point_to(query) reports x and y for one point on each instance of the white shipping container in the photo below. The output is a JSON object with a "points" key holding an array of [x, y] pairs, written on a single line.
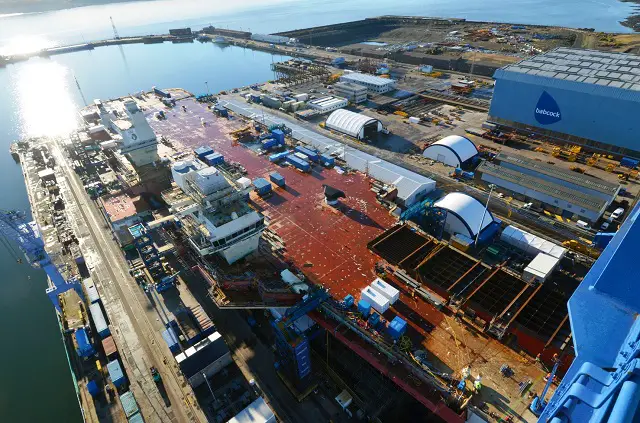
{"points": [[377, 300], [386, 290], [301, 97], [244, 182], [414, 119], [92, 291], [98, 318]]}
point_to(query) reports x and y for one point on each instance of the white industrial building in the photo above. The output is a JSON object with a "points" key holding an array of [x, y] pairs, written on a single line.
{"points": [[453, 150], [555, 189], [137, 140], [374, 84], [353, 124], [464, 214], [327, 104], [353, 92]]}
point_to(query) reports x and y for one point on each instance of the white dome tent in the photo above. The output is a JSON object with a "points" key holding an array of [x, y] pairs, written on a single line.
{"points": [[353, 124], [453, 150], [464, 214]]}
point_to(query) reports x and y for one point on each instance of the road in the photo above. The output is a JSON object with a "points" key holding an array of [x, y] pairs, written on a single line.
{"points": [[131, 312]]}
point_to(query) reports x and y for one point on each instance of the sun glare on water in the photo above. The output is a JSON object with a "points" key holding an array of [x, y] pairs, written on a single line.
{"points": [[46, 106], [24, 45]]}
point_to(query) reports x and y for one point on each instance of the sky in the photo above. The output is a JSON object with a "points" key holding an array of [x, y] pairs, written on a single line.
{"points": [[29, 6]]}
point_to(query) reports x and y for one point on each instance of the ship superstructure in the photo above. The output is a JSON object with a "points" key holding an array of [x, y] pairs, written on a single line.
{"points": [[214, 211]]}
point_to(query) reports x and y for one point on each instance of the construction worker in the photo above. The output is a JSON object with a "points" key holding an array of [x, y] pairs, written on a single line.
{"points": [[477, 384]]}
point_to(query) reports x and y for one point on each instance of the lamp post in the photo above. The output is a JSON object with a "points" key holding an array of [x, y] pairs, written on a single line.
{"points": [[484, 213], [206, 84]]}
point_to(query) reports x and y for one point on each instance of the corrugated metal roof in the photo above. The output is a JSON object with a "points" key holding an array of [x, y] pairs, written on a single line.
{"points": [[369, 79], [605, 72], [577, 198], [582, 180]]}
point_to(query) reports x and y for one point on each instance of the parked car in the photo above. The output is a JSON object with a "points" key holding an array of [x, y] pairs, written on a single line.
{"points": [[617, 213], [605, 225], [582, 224]]}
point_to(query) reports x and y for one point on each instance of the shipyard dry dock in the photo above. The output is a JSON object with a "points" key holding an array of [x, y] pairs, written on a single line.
{"points": [[345, 248]]}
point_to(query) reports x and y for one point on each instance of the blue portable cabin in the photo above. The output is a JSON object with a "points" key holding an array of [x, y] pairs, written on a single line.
{"points": [[161, 93], [262, 186], [214, 159], [303, 165], [83, 344], [397, 328], [221, 111], [327, 161], [277, 179], [269, 143], [278, 135], [203, 151], [348, 301], [99, 320], [364, 308], [313, 156], [116, 374]]}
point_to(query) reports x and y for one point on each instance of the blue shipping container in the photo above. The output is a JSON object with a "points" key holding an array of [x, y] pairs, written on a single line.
{"points": [[303, 165], [374, 319], [327, 161], [278, 156], [629, 162], [214, 159], [83, 345], [278, 135], [115, 373], [93, 388], [277, 179], [364, 308], [263, 187], [203, 151], [313, 156]]}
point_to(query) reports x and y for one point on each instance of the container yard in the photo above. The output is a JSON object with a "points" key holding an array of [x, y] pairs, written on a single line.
{"points": [[356, 240]]}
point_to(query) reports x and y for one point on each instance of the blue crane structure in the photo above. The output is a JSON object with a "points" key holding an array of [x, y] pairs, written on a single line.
{"points": [[293, 345], [603, 382], [14, 227]]}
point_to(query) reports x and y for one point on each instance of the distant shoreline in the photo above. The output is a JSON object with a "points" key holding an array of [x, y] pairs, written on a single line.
{"points": [[17, 8]]}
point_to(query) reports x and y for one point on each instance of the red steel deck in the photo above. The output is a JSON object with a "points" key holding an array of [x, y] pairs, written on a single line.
{"points": [[330, 246]]}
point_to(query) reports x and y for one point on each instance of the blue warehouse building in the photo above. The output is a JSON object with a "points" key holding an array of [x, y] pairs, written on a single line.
{"points": [[585, 97]]}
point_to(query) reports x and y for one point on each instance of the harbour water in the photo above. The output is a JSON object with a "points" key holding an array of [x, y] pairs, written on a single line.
{"points": [[151, 17], [40, 98]]}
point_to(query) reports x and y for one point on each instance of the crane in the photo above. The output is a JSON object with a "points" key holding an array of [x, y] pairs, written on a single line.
{"points": [[14, 227], [539, 403]]}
